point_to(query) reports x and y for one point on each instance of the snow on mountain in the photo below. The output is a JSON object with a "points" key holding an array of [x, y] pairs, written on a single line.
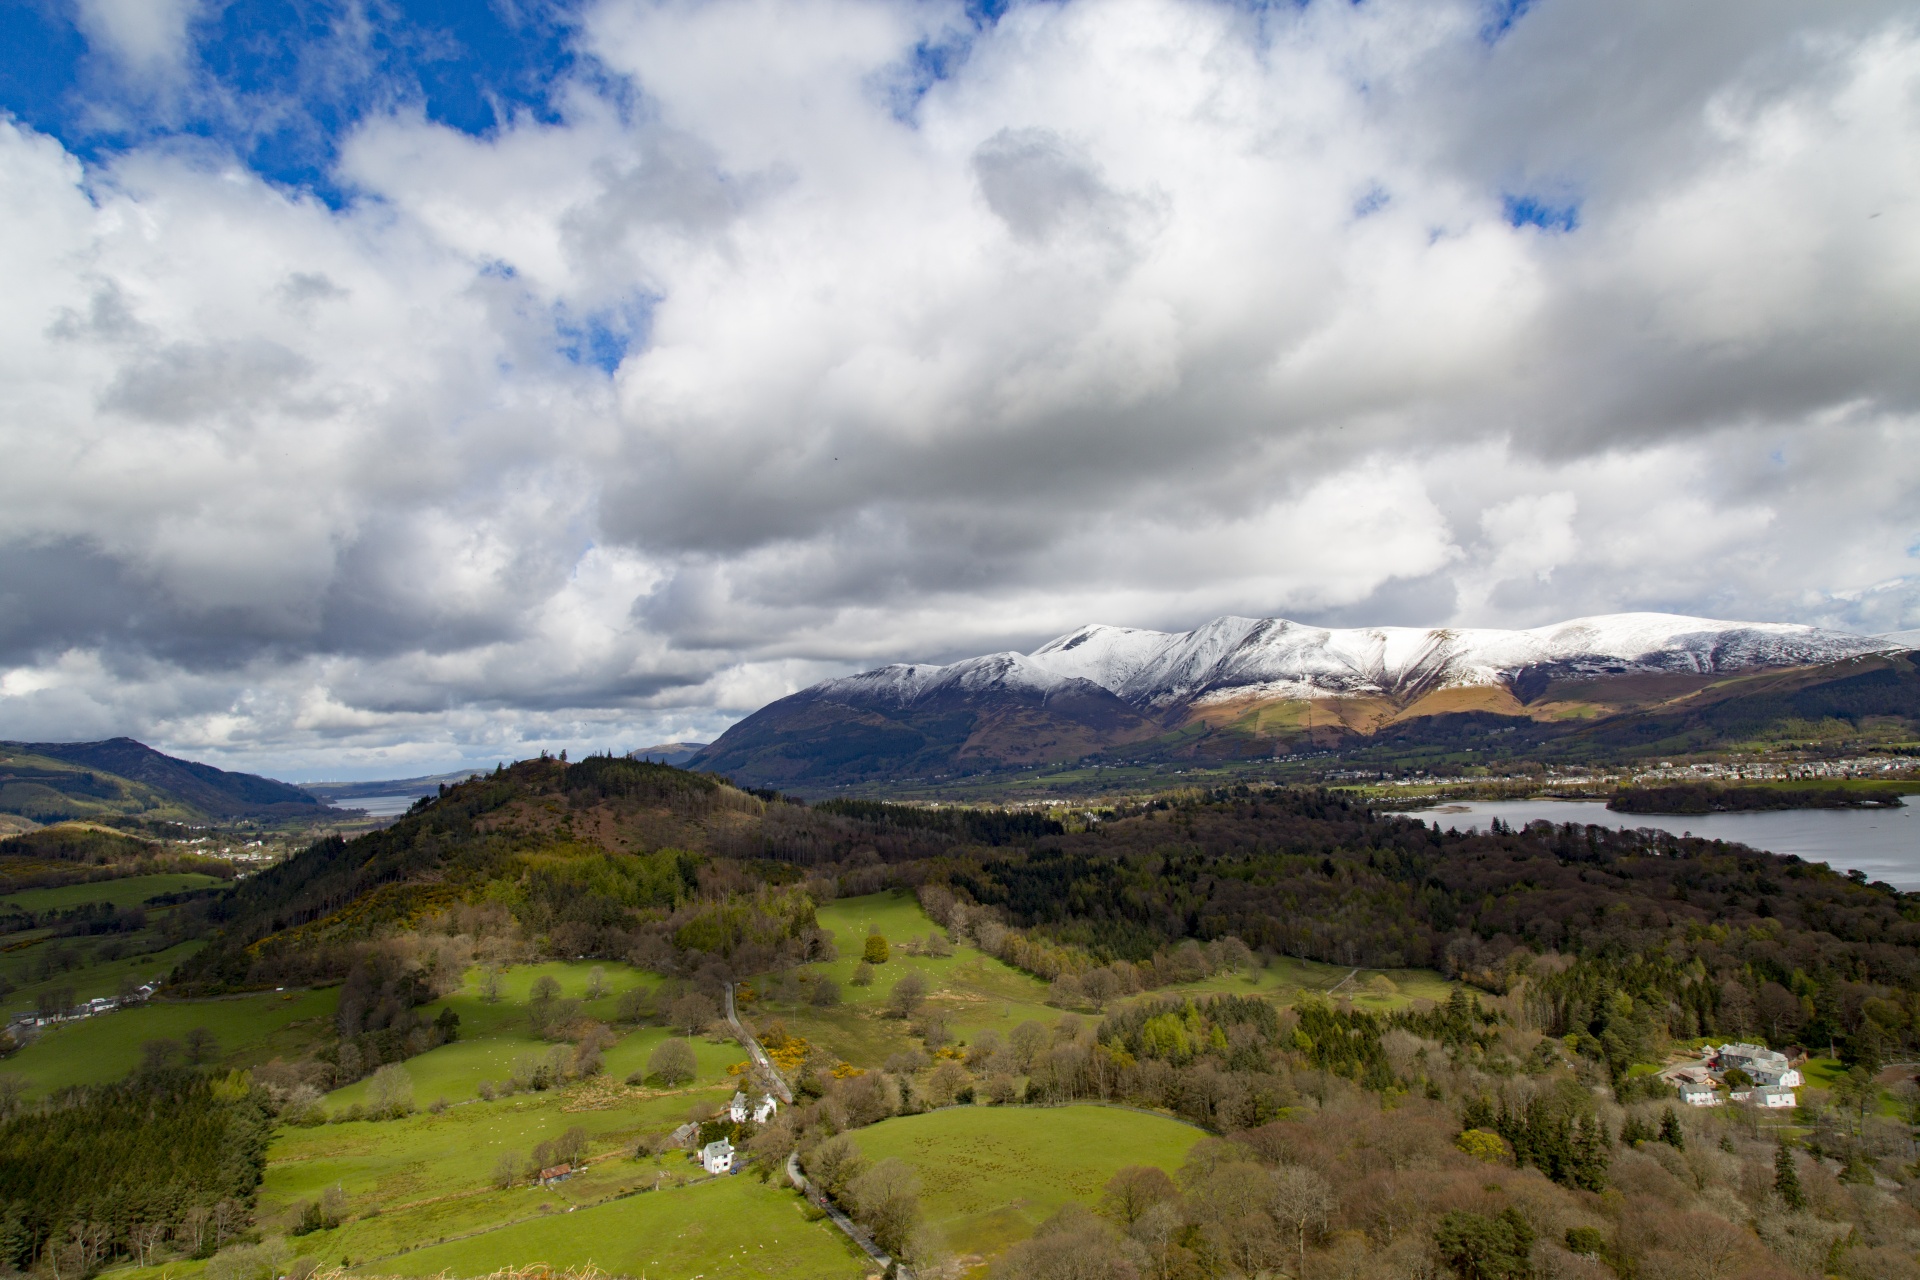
{"points": [[1235, 657], [904, 684]]}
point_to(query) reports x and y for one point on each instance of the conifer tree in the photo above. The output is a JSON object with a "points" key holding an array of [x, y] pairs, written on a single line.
{"points": [[1786, 1178], [1590, 1159], [1670, 1131]]}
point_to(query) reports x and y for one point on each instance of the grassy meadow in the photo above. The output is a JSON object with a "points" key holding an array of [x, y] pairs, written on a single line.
{"points": [[990, 1175], [247, 1029], [130, 891]]}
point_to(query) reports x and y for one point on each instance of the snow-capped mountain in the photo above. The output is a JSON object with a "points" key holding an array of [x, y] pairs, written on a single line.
{"points": [[1273, 657], [1240, 688]]}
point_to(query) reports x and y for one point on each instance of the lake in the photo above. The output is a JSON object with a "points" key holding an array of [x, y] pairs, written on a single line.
{"points": [[379, 806], [1884, 843]]}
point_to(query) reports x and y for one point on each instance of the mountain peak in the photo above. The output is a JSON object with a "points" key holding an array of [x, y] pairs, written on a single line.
{"points": [[1268, 684]]}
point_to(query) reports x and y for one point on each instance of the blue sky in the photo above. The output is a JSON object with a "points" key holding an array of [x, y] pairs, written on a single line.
{"points": [[280, 81], [389, 386]]}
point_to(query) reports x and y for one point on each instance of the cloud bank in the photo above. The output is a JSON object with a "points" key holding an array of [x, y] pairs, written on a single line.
{"points": [[799, 337]]}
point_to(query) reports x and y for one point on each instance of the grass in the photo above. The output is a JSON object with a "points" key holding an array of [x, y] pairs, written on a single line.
{"points": [[248, 1029], [990, 1175], [977, 992], [129, 892], [494, 1033], [413, 1184], [732, 1227], [90, 980], [454, 1071]]}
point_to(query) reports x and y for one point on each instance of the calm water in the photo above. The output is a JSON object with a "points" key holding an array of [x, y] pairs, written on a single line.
{"points": [[1884, 843], [379, 806]]}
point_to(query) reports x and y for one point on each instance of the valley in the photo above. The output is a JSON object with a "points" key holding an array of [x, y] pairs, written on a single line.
{"points": [[489, 1036]]}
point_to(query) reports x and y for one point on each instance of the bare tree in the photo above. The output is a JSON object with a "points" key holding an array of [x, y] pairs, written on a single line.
{"points": [[692, 1013], [1300, 1200], [1134, 1190], [200, 1046], [391, 1092], [886, 1201], [673, 1062]]}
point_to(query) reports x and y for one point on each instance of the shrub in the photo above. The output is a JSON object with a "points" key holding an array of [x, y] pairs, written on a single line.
{"points": [[1483, 1145], [876, 951]]}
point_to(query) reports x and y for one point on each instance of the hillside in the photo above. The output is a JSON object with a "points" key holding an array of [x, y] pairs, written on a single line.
{"points": [[1007, 1036], [51, 781], [1249, 689]]}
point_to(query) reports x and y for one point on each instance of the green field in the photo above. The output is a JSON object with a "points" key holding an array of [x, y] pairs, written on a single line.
{"points": [[727, 1227], [976, 992], [248, 1029], [101, 978], [128, 892], [990, 1175]]}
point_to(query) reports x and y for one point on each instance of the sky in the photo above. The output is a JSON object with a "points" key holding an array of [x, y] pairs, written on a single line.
{"points": [[394, 385]]}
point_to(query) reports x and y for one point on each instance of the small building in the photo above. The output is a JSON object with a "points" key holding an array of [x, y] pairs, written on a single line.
{"points": [[1776, 1075], [737, 1109], [717, 1157], [1766, 1095], [1697, 1093], [684, 1135], [558, 1173], [765, 1109], [1687, 1073]]}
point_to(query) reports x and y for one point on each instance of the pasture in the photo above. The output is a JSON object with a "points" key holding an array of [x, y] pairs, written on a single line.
{"points": [[990, 1175]]}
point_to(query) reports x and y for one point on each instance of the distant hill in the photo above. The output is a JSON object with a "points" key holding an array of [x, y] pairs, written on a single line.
{"points": [[1247, 688], [52, 781], [342, 793], [673, 753]]}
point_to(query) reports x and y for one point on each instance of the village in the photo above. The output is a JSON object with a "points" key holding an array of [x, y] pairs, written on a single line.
{"points": [[1742, 1073]]}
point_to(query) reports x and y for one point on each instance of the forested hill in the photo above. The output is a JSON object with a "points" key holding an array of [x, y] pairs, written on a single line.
{"points": [[684, 873], [50, 781]]}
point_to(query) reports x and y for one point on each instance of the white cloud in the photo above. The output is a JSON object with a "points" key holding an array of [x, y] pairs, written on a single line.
{"points": [[148, 37], [1150, 310]]}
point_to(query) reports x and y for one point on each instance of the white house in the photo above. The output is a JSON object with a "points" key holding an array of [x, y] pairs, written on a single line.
{"points": [[1774, 1074], [764, 1109], [1696, 1093], [717, 1157], [737, 1109], [1766, 1095]]}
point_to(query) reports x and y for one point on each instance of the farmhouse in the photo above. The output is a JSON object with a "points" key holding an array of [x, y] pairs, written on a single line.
{"points": [[737, 1109], [1697, 1093], [764, 1109], [1766, 1066], [1766, 1095], [717, 1157]]}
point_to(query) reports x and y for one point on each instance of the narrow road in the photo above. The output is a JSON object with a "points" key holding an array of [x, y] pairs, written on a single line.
{"points": [[775, 1081], [848, 1226]]}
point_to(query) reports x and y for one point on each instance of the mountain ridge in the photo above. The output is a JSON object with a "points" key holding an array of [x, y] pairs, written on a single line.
{"points": [[51, 781], [1267, 682]]}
